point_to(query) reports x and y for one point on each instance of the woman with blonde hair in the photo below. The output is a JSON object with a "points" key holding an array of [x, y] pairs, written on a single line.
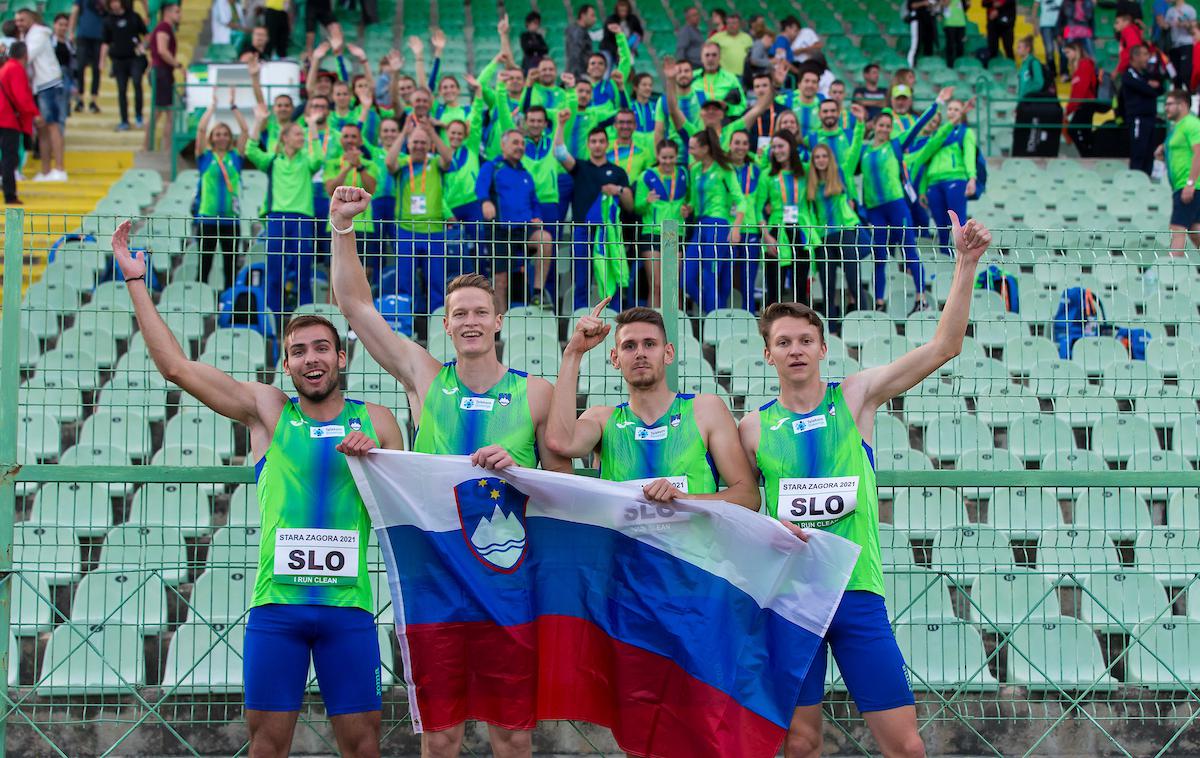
{"points": [[841, 238]]}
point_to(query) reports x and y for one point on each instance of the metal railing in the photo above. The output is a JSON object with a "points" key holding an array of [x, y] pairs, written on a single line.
{"points": [[1041, 513]]}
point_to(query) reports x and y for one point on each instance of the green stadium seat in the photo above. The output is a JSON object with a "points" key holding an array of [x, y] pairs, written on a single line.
{"points": [[1057, 654], [964, 551], [1054, 378], [890, 433], [249, 347], [1084, 408], [103, 455], [1121, 437], [221, 595], [129, 393], [946, 437], [860, 326], [243, 507], [1003, 405], [82, 506], [39, 434], [537, 326], [1183, 509], [1166, 354], [1032, 438], [1115, 602], [880, 351], [235, 547], [837, 369], [540, 360], [917, 595], [895, 547], [1168, 408], [734, 349], [90, 338], [1038, 307], [1003, 600], [200, 427], [93, 660], [52, 297], [960, 366], [205, 658], [160, 549], [1170, 553], [1022, 355], [987, 459], [1119, 513], [1158, 460], [1023, 512], [945, 656], [46, 553], [130, 599], [123, 428], [724, 323], [996, 330], [902, 460], [69, 367], [1098, 355], [178, 505], [118, 323], [31, 605], [922, 410], [1164, 655], [924, 512], [1132, 380], [1074, 551], [185, 323]]}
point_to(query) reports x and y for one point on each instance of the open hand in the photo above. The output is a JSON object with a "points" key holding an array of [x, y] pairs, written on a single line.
{"points": [[132, 265]]}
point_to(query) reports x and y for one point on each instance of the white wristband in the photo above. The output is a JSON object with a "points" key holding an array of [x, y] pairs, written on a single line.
{"points": [[347, 230]]}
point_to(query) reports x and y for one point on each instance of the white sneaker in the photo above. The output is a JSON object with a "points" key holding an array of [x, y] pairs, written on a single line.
{"points": [[21, 177], [58, 175], [44, 177]]}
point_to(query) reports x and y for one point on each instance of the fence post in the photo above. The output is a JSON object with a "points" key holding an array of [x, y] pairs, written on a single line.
{"points": [[10, 375], [670, 291]]}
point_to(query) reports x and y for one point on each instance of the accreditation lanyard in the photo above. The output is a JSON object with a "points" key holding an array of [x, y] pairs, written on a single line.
{"points": [[628, 158], [749, 175], [710, 87], [412, 178], [220, 160]]}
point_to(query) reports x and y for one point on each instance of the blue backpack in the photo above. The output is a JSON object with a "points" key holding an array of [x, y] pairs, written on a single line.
{"points": [[980, 175], [997, 279], [1134, 340], [1080, 314]]}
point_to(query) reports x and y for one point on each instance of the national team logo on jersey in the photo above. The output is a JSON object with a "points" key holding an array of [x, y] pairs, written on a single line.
{"points": [[676, 420], [355, 425], [491, 513], [504, 398]]}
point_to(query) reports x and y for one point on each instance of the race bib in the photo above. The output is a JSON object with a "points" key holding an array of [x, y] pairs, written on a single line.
{"points": [[324, 432], [477, 403], [679, 481], [791, 214], [644, 516], [416, 205], [816, 503], [319, 557], [642, 434]]}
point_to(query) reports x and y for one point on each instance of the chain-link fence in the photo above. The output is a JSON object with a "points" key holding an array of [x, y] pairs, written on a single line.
{"points": [[1039, 493]]}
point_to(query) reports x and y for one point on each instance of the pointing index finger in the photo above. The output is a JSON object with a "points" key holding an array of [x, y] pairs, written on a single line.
{"points": [[600, 306]]}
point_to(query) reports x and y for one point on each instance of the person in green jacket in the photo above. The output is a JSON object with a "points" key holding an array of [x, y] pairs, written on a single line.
{"points": [[290, 230], [718, 202], [661, 193], [747, 254], [543, 166], [789, 228], [950, 173], [842, 241]]}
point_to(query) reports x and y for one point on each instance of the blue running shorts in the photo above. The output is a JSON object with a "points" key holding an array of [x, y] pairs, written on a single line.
{"points": [[342, 643]]}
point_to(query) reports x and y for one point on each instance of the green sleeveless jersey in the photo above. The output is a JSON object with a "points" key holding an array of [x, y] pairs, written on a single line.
{"points": [[819, 473], [670, 448], [457, 421], [315, 529]]}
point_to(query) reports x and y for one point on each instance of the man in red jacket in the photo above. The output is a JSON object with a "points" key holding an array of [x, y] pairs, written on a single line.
{"points": [[18, 115]]}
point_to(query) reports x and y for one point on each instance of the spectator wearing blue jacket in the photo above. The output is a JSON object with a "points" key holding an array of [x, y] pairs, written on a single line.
{"points": [[510, 204]]}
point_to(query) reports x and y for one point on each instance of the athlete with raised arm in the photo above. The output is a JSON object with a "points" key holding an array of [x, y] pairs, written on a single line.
{"points": [[473, 405], [315, 602], [671, 443], [812, 448]]}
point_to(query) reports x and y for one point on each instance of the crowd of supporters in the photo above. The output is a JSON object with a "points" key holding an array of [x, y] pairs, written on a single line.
{"points": [[782, 173]]}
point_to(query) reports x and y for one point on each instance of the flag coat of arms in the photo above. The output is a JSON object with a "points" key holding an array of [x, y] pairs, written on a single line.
{"points": [[686, 628]]}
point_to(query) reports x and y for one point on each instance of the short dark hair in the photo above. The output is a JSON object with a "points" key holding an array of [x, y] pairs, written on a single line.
{"points": [[65, 17], [641, 316], [17, 51], [1180, 96], [532, 16], [311, 319], [314, 99], [870, 66], [582, 10], [718, 13], [597, 130], [776, 311], [601, 56], [537, 109], [790, 21], [763, 75]]}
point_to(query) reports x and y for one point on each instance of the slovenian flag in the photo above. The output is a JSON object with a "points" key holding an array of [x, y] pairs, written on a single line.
{"points": [[686, 629]]}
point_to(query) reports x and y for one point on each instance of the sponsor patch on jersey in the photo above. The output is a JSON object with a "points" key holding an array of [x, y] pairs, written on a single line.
{"points": [[802, 425], [642, 434], [676, 419], [355, 425], [329, 430], [477, 403]]}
